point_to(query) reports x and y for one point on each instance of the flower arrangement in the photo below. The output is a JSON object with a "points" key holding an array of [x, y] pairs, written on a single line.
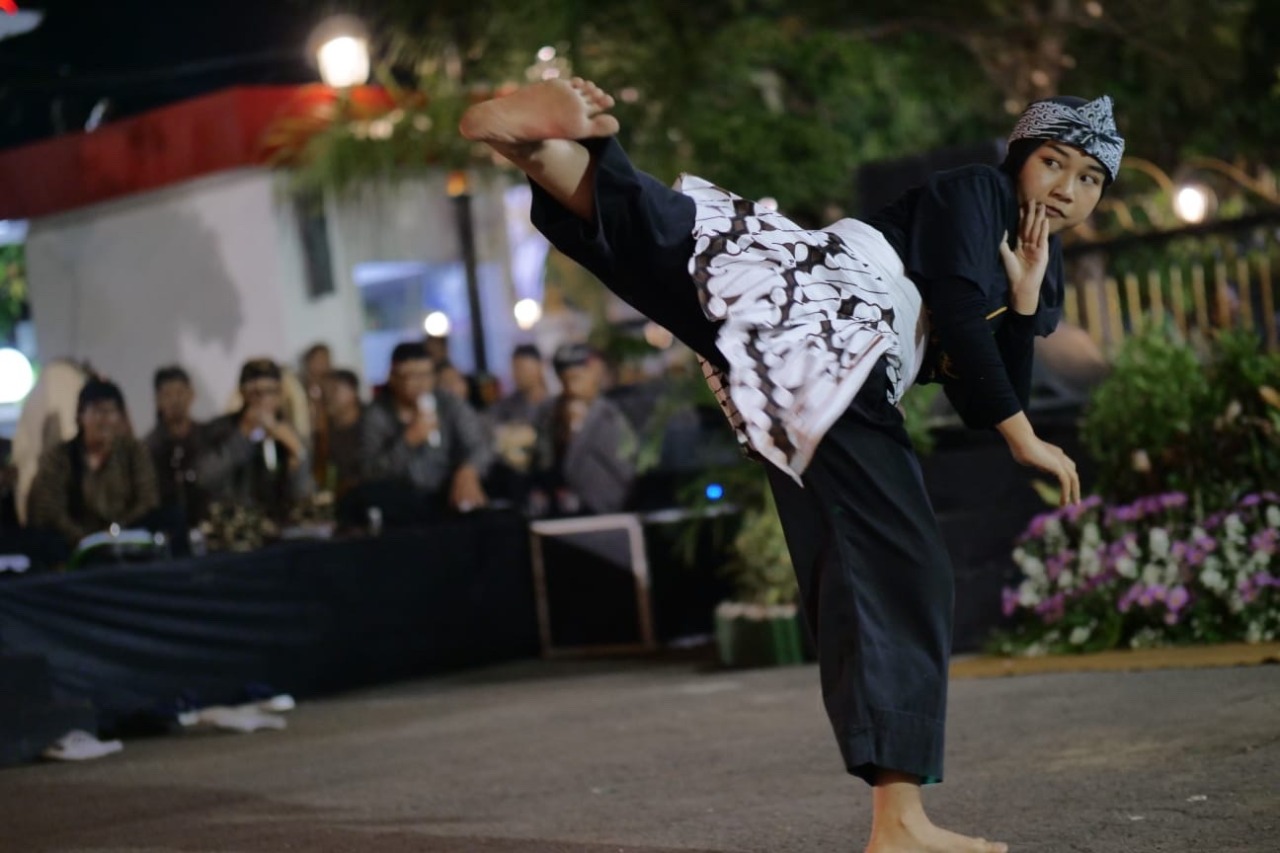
{"points": [[1147, 573]]}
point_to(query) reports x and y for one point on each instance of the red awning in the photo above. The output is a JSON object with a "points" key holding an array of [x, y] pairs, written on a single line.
{"points": [[208, 134]]}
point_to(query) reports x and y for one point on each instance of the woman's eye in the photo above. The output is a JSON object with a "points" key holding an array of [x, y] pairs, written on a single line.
{"points": [[1049, 161], [1090, 179]]}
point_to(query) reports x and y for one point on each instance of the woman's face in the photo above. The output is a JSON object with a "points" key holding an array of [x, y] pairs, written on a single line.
{"points": [[1066, 180]]}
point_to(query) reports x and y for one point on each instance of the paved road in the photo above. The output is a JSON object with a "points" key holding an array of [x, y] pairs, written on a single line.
{"points": [[601, 758]]}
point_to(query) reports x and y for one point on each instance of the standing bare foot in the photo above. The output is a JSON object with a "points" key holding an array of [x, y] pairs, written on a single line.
{"points": [[554, 109], [916, 834]]}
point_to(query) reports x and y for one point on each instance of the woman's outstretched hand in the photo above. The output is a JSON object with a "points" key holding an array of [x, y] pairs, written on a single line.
{"points": [[1026, 264], [1028, 449]]}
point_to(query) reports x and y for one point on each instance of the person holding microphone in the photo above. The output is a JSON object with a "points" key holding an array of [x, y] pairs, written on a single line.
{"points": [[430, 442]]}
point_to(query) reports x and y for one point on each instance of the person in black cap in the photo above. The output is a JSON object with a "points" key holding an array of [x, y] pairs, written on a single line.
{"points": [[585, 460], [101, 477], [809, 338], [253, 457]]}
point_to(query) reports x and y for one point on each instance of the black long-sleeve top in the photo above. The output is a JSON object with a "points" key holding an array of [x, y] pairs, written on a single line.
{"points": [[947, 233]]}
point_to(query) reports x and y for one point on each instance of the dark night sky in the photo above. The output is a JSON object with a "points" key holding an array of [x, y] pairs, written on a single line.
{"points": [[144, 53]]}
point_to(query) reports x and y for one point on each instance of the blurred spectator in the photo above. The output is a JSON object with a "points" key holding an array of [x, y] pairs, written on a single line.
{"points": [[175, 444], [452, 381], [437, 348], [254, 457], [512, 418], [345, 415], [529, 377], [48, 418], [102, 476], [586, 449], [317, 362], [429, 440]]}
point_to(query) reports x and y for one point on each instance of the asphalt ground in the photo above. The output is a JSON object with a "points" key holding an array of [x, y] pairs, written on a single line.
{"points": [[605, 757]]}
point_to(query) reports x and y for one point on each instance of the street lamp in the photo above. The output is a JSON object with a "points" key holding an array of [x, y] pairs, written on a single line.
{"points": [[16, 376], [437, 324], [528, 312], [1192, 203], [341, 48]]}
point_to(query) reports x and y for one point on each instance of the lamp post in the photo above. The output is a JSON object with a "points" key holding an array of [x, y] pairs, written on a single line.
{"points": [[459, 189]]}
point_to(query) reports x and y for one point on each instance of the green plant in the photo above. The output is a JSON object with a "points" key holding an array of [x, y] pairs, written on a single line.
{"points": [[13, 288], [1165, 421], [761, 571]]}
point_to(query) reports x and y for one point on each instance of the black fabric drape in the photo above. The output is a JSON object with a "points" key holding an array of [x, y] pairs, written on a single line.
{"points": [[304, 617]]}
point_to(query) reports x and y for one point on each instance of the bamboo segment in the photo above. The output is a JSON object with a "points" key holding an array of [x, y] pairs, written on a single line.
{"points": [[1200, 298], [1094, 315], [1071, 305], [1134, 298], [1115, 322], [1221, 297], [1157, 298], [1179, 302], [1246, 295], [1268, 303]]}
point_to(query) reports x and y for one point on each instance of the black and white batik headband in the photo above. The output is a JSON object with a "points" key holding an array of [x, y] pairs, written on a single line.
{"points": [[1090, 127]]}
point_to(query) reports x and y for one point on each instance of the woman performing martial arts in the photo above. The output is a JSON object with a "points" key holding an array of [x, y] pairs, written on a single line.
{"points": [[809, 339]]}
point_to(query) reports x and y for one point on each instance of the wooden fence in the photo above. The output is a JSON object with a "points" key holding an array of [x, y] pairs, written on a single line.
{"points": [[1224, 276]]}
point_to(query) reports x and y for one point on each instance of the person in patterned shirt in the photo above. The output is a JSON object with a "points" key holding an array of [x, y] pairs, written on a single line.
{"points": [[809, 338], [102, 477]]}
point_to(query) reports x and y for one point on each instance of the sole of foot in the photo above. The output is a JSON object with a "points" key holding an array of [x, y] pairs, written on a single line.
{"points": [[552, 109]]}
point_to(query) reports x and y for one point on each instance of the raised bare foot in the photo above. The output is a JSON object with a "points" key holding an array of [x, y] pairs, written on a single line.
{"points": [[919, 835], [553, 109]]}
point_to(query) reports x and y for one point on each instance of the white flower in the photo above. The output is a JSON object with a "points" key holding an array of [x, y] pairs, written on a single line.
{"points": [[1066, 579], [1033, 569], [1198, 533], [1027, 595], [1090, 565], [1273, 516], [1079, 636], [1019, 555], [1152, 574], [1213, 580], [1233, 525], [1127, 567], [1159, 542], [1053, 527], [1091, 537], [1254, 633]]}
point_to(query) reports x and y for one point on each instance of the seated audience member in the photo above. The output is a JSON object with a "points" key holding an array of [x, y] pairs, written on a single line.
{"points": [[529, 378], [511, 422], [586, 449], [175, 444], [48, 418], [345, 416], [426, 440], [101, 477], [317, 362], [452, 381], [254, 457]]}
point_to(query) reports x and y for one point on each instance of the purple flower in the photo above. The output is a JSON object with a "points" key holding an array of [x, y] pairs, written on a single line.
{"points": [[1127, 600], [1177, 598], [1173, 500], [1008, 601], [1251, 500]]}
